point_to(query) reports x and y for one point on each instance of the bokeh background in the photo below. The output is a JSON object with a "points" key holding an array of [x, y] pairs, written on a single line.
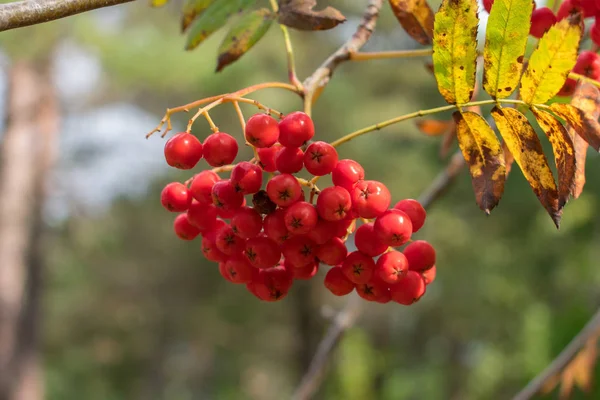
{"points": [[128, 311]]}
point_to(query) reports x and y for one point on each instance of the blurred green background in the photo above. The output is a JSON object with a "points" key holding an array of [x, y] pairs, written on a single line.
{"points": [[131, 312]]}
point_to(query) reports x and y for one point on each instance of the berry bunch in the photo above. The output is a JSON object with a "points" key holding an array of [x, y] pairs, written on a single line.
{"points": [[282, 237]]}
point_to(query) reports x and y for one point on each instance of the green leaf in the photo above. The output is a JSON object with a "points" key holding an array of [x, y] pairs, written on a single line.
{"points": [[191, 10], [243, 35], [455, 49], [158, 3], [211, 20], [505, 41], [551, 61]]}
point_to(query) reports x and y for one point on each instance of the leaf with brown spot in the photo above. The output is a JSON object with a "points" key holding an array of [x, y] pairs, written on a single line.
{"points": [[524, 144], [585, 125], [482, 152], [564, 153], [434, 127], [416, 17], [299, 14], [191, 10]]}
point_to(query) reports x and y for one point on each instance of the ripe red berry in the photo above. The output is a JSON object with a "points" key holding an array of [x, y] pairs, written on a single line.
{"points": [[373, 290], [262, 252], [183, 229], [262, 130], [568, 88], [334, 203], [333, 252], [220, 149], [228, 242], [346, 173], [226, 197], [226, 213], [393, 228], [238, 269], [304, 273], [246, 177], [183, 151], [246, 222], [567, 8], [358, 267], [266, 157], [588, 64], [299, 251], [209, 248], [409, 289], [320, 158], [541, 20], [587, 6], [391, 266], [595, 33], [224, 273], [289, 160], [274, 226], [345, 226], [337, 283], [370, 199], [273, 284], [415, 212], [323, 231], [429, 275], [176, 197], [202, 216], [420, 255], [296, 129], [367, 241], [300, 218], [487, 4], [284, 190], [202, 184]]}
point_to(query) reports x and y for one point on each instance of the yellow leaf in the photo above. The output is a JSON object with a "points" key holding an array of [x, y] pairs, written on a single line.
{"points": [[482, 152], [523, 143], [158, 3], [416, 17], [564, 153], [584, 124], [509, 159], [551, 61], [455, 49], [505, 40]]}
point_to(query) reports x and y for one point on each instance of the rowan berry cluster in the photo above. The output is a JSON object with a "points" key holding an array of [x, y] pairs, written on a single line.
{"points": [[282, 237]]}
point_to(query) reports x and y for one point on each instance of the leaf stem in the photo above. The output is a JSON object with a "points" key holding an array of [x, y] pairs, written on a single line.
{"points": [[382, 55], [584, 78]]}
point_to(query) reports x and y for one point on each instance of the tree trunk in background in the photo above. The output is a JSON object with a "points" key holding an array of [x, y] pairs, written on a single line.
{"points": [[27, 154]]}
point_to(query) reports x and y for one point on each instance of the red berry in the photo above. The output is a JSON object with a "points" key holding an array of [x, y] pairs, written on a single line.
{"points": [[266, 157], [487, 4], [337, 283], [209, 248], [587, 6], [262, 130], [588, 64], [333, 252], [273, 284], [246, 222], [368, 242], [541, 20], [228, 242], [346, 173], [306, 272], [202, 216], [323, 231], [226, 197], [345, 226], [220, 149], [275, 228], [229, 213], [429, 275], [415, 212], [184, 229], [358, 267], [568, 88], [391, 266], [299, 251], [289, 160], [373, 290], [183, 151], [370, 199], [595, 33], [409, 289], [334, 203], [238, 269], [393, 228], [176, 197], [320, 158], [202, 184], [284, 190], [296, 129], [420, 255], [246, 177], [300, 218], [224, 272], [262, 252], [567, 8]]}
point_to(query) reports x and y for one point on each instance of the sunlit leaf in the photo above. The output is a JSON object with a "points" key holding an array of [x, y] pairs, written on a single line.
{"points": [[211, 20], [299, 14], [586, 125], [564, 153], [523, 143], [434, 127], [416, 17], [505, 40], [482, 152], [243, 35], [455, 49], [191, 10], [552, 60], [158, 3]]}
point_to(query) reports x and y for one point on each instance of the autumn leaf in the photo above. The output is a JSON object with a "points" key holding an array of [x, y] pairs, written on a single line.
{"points": [[509, 159], [158, 3], [191, 10], [564, 153], [505, 40], [211, 20], [243, 35], [455, 49], [416, 17], [482, 152], [585, 125], [523, 143], [299, 14], [551, 61], [434, 127]]}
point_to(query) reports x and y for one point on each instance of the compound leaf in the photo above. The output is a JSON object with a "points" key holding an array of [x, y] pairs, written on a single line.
{"points": [[191, 10], [505, 40], [416, 17], [243, 35], [523, 143], [299, 14], [455, 49], [551, 61], [483, 153]]}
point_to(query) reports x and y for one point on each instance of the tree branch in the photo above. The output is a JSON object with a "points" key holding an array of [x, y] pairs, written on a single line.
{"points": [[31, 12]]}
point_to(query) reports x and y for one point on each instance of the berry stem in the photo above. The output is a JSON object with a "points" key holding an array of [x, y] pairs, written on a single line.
{"points": [[309, 184], [240, 115], [382, 55], [255, 103], [584, 78]]}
